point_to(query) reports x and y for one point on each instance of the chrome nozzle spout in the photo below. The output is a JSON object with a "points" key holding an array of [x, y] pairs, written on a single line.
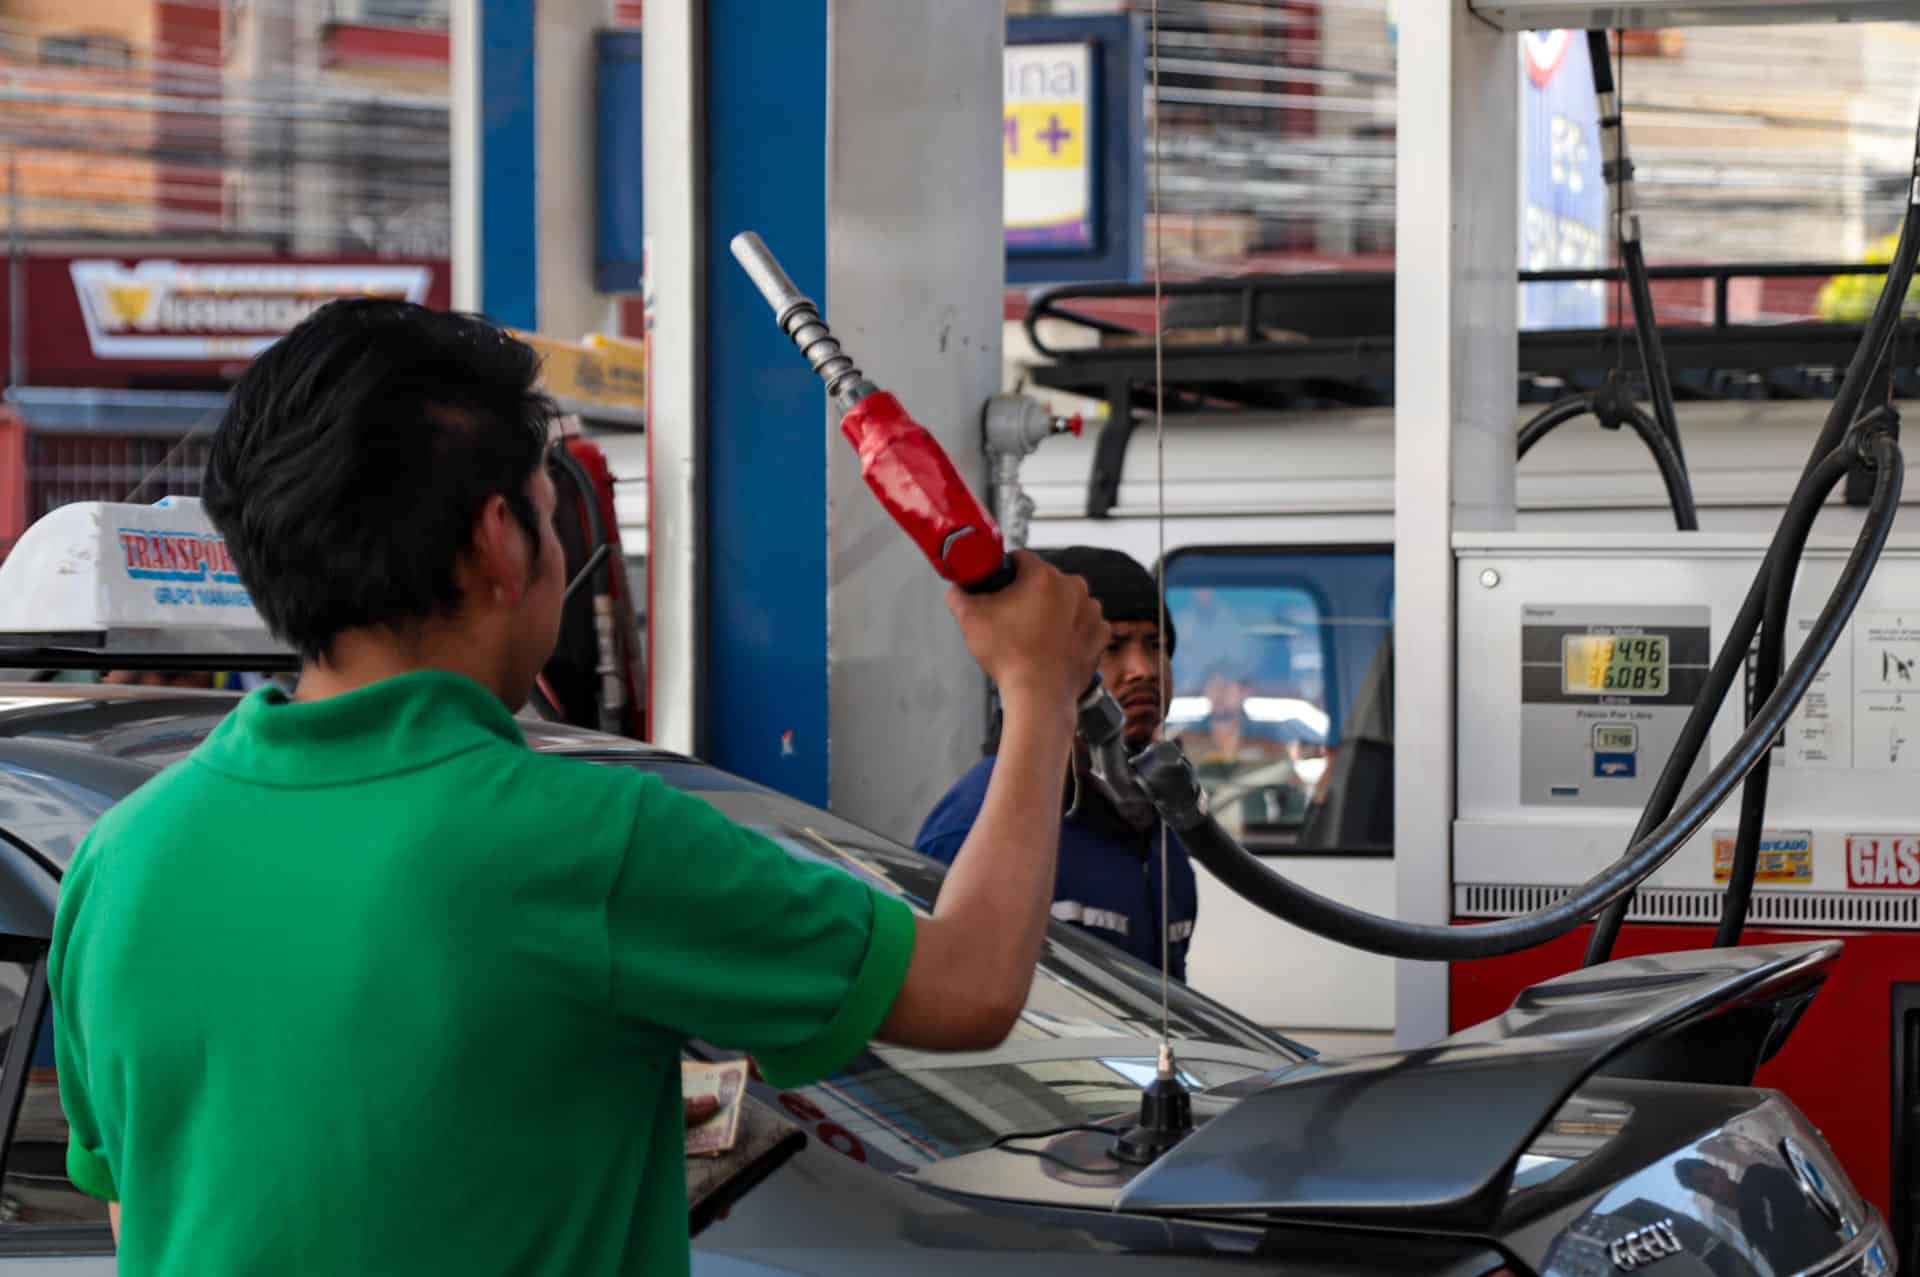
{"points": [[764, 269]]}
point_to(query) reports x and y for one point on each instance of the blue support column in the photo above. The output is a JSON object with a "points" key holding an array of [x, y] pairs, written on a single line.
{"points": [[766, 424], [508, 246]]}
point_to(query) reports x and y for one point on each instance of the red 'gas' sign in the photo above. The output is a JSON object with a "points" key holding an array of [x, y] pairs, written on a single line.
{"points": [[1883, 861]]}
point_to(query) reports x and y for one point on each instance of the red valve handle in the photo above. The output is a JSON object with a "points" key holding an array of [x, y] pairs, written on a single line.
{"points": [[915, 480]]}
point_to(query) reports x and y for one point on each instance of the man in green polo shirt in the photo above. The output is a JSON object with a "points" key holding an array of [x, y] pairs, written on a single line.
{"points": [[367, 986]]}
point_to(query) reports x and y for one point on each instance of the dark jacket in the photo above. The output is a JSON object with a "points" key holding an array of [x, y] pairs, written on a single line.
{"points": [[1109, 874]]}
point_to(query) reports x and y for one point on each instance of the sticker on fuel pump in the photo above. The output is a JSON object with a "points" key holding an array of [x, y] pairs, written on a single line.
{"points": [[1886, 691], [1820, 732], [1883, 862], [1785, 857]]}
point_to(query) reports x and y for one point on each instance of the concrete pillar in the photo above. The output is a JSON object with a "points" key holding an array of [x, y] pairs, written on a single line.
{"points": [[915, 269], [798, 638], [566, 303], [1455, 367]]}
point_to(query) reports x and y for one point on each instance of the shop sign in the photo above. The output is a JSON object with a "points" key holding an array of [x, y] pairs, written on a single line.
{"points": [[172, 311], [1049, 180]]}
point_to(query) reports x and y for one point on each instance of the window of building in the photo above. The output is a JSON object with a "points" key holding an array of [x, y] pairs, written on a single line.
{"points": [[401, 13], [1283, 692], [89, 49], [111, 467]]}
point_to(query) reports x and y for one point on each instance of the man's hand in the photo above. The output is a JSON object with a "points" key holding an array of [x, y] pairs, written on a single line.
{"points": [[700, 1108], [1039, 638]]}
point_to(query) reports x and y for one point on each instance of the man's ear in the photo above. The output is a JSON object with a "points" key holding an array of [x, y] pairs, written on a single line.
{"points": [[499, 556]]}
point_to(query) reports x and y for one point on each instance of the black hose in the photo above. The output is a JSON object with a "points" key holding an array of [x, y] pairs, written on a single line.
{"points": [[1551, 418], [582, 482], [1617, 169], [1802, 509], [1867, 358], [599, 566], [1653, 353], [1673, 468], [1246, 875], [1773, 640]]}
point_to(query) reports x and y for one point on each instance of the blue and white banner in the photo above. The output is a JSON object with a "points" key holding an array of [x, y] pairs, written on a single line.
{"points": [[1563, 197]]}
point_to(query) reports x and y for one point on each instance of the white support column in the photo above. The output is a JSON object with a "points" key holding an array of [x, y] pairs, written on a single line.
{"points": [[1455, 371], [463, 110], [915, 270], [675, 159]]}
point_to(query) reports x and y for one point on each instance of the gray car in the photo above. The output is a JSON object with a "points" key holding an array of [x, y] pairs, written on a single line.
{"points": [[1606, 1124]]}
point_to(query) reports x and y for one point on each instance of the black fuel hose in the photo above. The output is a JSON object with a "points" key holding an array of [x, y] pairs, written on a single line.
{"points": [[1617, 169], [582, 482], [1653, 353], [1773, 638], [1552, 417], [1673, 468], [1868, 356], [1247, 876], [1802, 509]]}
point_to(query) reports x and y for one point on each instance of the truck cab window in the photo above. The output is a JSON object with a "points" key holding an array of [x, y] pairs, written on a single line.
{"points": [[1283, 693]]}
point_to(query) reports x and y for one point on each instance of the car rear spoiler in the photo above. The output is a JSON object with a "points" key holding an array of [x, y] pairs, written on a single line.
{"points": [[1433, 1135]]}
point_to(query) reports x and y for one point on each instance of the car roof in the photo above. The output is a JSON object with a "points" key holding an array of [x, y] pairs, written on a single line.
{"points": [[159, 725], [68, 751]]}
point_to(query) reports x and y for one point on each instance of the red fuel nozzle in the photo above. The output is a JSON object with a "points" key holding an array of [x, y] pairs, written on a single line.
{"points": [[910, 472], [902, 463]]}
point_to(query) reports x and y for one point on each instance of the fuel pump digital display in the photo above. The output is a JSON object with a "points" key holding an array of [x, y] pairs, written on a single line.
{"points": [[1614, 665]]}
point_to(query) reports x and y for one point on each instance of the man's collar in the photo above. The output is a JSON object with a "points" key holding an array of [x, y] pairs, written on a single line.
{"points": [[397, 724]]}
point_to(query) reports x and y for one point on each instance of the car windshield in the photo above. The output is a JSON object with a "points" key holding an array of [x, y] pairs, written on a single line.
{"points": [[1081, 1051]]}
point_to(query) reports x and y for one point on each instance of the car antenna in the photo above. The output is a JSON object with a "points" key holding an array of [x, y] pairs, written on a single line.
{"points": [[1166, 1107]]}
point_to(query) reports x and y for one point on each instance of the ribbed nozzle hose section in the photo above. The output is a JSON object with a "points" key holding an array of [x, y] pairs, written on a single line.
{"points": [[800, 320]]}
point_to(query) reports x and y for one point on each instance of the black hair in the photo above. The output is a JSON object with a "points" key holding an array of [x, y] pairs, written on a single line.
{"points": [[354, 456]]}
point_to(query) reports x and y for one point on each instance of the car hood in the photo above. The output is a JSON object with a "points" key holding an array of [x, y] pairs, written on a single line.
{"points": [[1539, 1129]]}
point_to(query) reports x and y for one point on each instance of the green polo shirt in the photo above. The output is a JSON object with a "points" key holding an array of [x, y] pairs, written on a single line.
{"points": [[367, 986]]}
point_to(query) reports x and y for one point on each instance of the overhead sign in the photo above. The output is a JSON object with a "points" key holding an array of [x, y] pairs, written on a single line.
{"points": [[1563, 195], [1045, 146], [168, 310]]}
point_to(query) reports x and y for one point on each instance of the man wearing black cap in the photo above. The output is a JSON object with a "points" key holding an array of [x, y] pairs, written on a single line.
{"points": [[1109, 876]]}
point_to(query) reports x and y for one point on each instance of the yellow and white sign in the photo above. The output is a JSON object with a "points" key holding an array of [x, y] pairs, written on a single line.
{"points": [[1046, 146], [601, 377], [1784, 857]]}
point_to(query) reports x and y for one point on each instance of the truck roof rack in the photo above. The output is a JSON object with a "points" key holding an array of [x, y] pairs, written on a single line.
{"points": [[1274, 343]]}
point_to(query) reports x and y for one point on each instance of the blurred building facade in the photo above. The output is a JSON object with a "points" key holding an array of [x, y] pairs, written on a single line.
{"points": [[309, 140], [1756, 143], [183, 179]]}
